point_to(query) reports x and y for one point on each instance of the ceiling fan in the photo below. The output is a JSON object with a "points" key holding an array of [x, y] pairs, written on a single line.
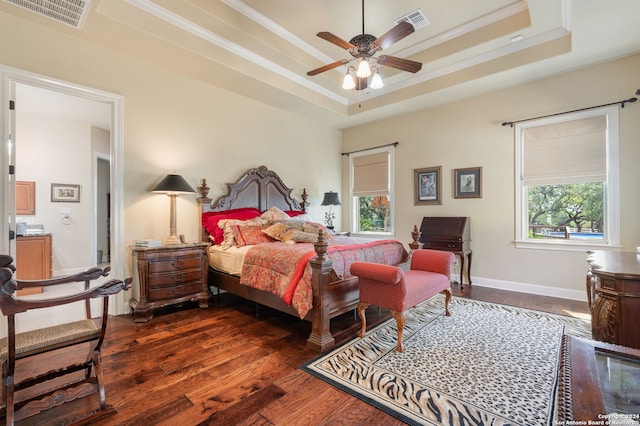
{"points": [[363, 49]]}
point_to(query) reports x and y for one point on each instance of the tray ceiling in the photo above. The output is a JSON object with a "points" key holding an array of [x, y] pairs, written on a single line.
{"points": [[263, 48]]}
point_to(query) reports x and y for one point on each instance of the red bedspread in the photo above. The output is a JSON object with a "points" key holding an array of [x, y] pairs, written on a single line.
{"points": [[284, 270]]}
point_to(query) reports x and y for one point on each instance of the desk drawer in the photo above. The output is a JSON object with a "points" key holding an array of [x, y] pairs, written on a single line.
{"points": [[443, 245], [167, 293], [165, 280], [178, 263]]}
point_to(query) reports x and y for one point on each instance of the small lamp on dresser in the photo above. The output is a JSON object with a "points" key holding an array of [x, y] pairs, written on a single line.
{"points": [[330, 199], [173, 185]]}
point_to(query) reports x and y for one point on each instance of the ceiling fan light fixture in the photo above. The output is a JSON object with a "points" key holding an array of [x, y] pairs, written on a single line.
{"points": [[348, 83], [363, 69], [376, 82]]}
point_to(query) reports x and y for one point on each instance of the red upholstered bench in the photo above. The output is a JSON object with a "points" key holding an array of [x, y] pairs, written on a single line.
{"points": [[390, 287]]}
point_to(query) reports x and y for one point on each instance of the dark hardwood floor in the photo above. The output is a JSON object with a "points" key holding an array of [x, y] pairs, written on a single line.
{"points": [[225, 366]]}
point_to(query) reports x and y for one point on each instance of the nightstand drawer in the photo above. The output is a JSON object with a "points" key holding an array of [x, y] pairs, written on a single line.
{"points": [[174, 263], [164, 280], [167, 293]]}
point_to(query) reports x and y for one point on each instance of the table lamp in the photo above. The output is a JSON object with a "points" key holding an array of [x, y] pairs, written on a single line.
{"points": [[330, 199], [173, 185]]}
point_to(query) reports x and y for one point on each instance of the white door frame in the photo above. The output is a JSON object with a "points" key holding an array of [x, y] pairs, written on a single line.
{"points": [[11, 76]]}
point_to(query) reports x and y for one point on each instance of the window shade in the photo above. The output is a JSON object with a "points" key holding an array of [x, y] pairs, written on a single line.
{"points": [[371, 174], [568, 152]]}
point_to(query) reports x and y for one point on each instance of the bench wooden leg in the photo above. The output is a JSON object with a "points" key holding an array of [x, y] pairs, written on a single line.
{"points": [[400, 318], [447, 297], [363, 318]]}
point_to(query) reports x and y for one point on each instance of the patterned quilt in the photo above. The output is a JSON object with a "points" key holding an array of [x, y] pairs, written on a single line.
{"points": [[283, 269]]}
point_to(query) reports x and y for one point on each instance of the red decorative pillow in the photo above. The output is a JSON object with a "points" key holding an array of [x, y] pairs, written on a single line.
{"points": [[249, 235], [294, 213], [210, 220]]}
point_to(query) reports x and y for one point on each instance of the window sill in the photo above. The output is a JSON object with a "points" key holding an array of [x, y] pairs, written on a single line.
{"points": [[562, 245]]}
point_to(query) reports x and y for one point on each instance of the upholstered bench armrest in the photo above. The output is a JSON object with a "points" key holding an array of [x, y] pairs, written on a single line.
{"points": [[433, 261], [377, 272]]}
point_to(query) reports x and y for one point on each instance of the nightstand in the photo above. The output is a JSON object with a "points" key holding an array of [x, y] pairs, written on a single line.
{"points": [[169, 275]]}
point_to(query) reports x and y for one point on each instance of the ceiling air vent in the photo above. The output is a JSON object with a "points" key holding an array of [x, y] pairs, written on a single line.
{"points": [[69, 12], [416, 18]]}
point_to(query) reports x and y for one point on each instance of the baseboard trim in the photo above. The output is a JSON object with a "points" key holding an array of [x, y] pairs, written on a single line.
{"points": [[540, 290]]}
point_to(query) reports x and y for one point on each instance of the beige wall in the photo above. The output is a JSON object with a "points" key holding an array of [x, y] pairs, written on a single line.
{"points": [[469, 134], [173, 122]]}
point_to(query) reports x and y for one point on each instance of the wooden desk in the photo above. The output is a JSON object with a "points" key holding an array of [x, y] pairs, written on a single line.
{"points": [[595, 380], [613, 289], [447, 234]]}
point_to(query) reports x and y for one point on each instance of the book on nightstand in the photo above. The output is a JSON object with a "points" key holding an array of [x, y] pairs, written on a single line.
{"points": [[148, 243]]}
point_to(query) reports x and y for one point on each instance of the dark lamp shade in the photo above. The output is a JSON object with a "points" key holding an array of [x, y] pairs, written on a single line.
{"points": [[331, 199], [173, 183]]}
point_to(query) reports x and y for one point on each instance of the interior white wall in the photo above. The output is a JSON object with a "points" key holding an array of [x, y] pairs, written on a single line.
{"points": [[100, 141], [469, 134], [50, 151]]}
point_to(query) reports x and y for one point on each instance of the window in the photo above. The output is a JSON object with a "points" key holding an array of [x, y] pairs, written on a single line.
{"points": [[371, 183], [567, 192]]}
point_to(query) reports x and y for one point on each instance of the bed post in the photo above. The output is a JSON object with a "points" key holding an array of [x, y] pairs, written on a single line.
{"points": [[320, 338], [203, 200]]}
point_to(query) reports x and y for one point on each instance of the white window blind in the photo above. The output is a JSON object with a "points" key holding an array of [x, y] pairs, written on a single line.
{"points": [[567, 152], [371, 174]]}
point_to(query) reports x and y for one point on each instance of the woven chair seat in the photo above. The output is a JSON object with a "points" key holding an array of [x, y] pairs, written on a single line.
{"points": [[44, 338]]}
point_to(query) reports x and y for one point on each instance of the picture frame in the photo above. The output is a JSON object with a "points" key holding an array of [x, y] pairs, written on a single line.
{"points": [[65, 193], [467, 182], [428, 185]]}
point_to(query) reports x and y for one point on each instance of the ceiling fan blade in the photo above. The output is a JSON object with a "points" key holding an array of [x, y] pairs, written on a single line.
{"points": [[394, 35], [399, 63], [335, 40], [328, 67]]}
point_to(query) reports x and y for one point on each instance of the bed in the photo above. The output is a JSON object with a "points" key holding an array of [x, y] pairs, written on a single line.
{"points": [[323, 287]]}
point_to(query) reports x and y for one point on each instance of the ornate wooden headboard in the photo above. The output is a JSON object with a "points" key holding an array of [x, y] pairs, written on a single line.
{"points": [[259, 187]]}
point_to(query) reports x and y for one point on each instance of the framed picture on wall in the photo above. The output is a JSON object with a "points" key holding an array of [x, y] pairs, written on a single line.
{"points": [[467, 182], [61, 192], [428, 185]]}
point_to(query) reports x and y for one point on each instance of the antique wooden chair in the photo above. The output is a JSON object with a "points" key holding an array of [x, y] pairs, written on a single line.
{"points": [[392, 288], [18, 346]]}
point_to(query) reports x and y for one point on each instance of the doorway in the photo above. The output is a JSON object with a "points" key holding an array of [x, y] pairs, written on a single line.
{"points": [[44, 102]]}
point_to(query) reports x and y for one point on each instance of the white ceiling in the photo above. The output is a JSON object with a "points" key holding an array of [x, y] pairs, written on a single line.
{"points": [[263, 48]]}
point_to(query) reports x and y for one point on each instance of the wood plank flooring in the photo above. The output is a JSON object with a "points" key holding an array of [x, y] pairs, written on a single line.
{"points": [[225, 366]]}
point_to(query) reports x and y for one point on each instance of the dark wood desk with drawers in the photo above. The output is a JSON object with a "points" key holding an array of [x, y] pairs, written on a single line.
{"points": [[169, 275], [448, 234]]}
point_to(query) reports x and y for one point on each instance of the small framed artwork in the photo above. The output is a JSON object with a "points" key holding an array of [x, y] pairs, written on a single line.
{"points": [[61, 192], [467, 182], [428, 186]]}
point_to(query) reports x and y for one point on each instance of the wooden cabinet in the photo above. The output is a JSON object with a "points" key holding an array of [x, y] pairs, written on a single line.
{"points": [[169, 275], [598, 381], [25, 198], [613, 289], [33, 260], [446, 234]]}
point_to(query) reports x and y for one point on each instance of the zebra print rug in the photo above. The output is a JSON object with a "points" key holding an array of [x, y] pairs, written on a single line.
{"points": [[486, 364]]}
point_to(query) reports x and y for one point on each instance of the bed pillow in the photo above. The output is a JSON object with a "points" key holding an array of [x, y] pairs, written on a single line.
{"points": [[295, 236], [316, 228], [274, 213], [275, 230], [250, 235], [210, 220], [227, 230]]}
